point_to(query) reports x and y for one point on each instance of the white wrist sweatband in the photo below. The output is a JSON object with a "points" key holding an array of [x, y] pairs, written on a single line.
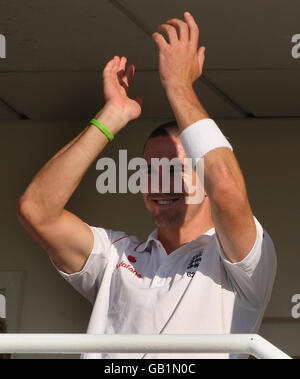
{"points": [[202, 137]]}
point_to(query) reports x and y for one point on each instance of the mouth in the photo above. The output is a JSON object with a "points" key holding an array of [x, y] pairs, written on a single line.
{"points": [[166, 202]]}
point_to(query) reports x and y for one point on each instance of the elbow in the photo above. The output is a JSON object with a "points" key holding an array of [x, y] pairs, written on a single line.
{"points": [[23, 209], [229, 193], [33, 212], [28, 212], [225, 183]]}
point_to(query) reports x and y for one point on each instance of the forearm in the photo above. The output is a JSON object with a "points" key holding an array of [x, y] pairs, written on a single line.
{"points": [[50, 190], [185, 105], [221, 167]]}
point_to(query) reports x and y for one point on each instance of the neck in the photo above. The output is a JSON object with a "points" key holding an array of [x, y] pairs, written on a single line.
{"points": [[173, 239]]}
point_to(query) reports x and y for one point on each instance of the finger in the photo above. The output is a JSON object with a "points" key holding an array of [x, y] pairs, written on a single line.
{"points": [[123, 63], [116, 64], [182, 28], [121, 72], [123, 82], [201, 57], [125, 77], [170, 31], [160, 41], [122, 79], [193, 27], [130, 73], [108, 66]]}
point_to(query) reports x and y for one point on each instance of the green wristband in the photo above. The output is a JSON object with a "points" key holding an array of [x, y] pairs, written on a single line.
{"points": [[103, 129]]}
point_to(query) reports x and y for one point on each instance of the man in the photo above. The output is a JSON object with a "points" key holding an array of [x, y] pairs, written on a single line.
{"points": [[208, 268]]}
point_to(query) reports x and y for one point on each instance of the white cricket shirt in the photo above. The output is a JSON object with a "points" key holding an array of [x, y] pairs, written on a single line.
{"points": [[136, 288]]}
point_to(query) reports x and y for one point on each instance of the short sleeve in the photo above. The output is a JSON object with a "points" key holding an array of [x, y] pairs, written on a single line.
{"points": [[253, 278], [88, 280]]}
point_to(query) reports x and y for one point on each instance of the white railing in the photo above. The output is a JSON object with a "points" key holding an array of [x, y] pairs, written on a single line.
{"points": [[250, 344]]}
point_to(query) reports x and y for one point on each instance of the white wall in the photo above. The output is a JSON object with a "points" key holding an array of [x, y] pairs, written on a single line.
{"points": [[267, 151]]}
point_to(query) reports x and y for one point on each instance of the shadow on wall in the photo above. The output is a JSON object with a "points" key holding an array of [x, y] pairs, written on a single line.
{"points": [[3, 329]]}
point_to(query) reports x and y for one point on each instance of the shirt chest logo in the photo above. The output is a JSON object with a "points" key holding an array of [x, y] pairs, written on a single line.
{"points": [[194, 264], [129, 267]]}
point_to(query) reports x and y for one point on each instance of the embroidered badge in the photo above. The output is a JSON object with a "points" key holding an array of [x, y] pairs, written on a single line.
{"points": [[195, 262]]}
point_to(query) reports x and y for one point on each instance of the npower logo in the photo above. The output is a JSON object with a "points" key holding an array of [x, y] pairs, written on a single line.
{"points": [[2, 46]]}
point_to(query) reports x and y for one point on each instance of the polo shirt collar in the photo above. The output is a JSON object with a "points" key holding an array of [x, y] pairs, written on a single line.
{"points": [[152, 238]]}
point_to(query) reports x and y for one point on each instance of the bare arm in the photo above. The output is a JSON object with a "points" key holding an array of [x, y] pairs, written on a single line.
{"points": [[41, 209], [180, 65]]}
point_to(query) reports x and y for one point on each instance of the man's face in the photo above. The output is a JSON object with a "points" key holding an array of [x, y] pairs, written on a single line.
{"points": [[168, 210]]}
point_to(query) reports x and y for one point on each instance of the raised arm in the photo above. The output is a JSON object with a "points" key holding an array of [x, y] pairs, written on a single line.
{"points": [[180, 65], [41, 209]]}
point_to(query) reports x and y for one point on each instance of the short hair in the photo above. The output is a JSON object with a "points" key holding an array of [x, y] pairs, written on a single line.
{"points": [[167, 129]]}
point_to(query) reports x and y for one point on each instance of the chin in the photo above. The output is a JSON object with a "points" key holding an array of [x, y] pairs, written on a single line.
{"points": [[168, 223]]}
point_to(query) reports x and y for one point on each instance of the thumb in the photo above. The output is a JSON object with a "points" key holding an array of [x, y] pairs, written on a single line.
{"points": [[140, 101], [201, 57]]}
